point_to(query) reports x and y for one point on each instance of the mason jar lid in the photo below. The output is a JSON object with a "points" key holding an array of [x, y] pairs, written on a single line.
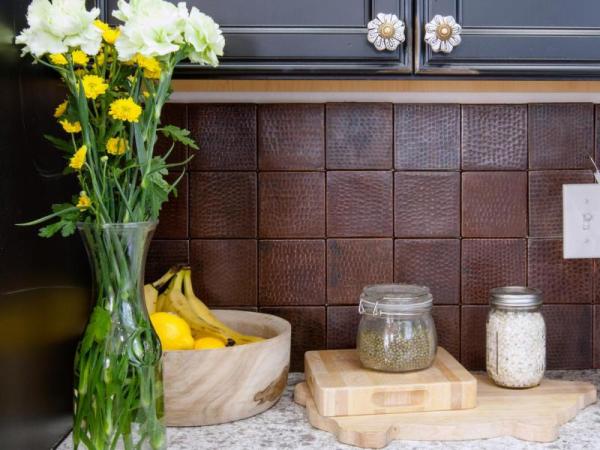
{"points": [[515, 297], [394, 299]]}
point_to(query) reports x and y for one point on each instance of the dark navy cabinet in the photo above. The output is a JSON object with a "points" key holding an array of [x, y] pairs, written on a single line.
{"points": [[301, 36], [557, 38], [521, 37]]}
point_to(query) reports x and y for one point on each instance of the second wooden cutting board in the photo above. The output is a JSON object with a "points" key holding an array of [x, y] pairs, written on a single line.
{"points": [[341, 386]]}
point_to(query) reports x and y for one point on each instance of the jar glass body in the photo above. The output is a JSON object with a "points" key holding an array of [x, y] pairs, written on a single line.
{"points": [[399, 343], [516, 346], [118, 392]]}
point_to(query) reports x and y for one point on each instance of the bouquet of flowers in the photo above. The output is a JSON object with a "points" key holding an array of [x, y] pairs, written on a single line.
{"points": [[117, 81]]}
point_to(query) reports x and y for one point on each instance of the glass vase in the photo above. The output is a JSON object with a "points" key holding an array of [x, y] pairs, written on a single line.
{"points": [[118, 392]]}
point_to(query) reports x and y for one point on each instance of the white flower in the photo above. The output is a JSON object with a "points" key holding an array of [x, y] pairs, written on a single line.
{"points": [[386, 31], [205, 38], [55, 26], [151, 28], [442, 34]]}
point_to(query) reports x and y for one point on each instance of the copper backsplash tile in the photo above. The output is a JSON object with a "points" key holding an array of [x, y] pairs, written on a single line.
{"points": [[489, 263], [292, 204], [494, 137], [359, 136], [427, 204], [355, 263], [226, 136], [291, 137], [293, 208]]}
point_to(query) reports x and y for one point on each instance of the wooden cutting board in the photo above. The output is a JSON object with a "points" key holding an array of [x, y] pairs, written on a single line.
{"points": [[529, 414], [341, 386]]}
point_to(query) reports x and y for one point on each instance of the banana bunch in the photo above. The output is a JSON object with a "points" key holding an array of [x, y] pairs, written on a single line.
{"points": [[179, 298]]}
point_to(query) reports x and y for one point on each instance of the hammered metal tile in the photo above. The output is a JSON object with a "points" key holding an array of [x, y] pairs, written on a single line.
{"points": [[494, 204], [561, 135], [494, 137], [447, 325], [292, 204], [359, 204], [164, 254], [223, 204], [427, 204], [355, 263], [291, 137], [174, 216], [308, 330], [224, 271], [569, 336], [427, 137], [172, 114], [561, 280], [342, 324], [545, 199], [472, 336], [291, 272], [430, 262], [491, 263], [359, 135], [226, 135]]}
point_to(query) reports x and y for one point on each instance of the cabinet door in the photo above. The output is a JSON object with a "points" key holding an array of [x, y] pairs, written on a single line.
{"points": [[300, 36], [537, 37]]}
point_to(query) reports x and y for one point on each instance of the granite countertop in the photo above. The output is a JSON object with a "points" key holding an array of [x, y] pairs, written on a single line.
{"points": [[285, 427]]}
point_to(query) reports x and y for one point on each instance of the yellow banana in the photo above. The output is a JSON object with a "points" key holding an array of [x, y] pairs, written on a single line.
{"points": [[151, 290], [202, 311], [174, 301]]}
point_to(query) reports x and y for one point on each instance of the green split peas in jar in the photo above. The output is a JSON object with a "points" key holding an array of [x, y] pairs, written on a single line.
{"points": [[396, 331]]}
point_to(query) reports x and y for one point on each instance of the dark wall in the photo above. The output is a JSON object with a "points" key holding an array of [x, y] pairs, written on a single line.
{"points": [[42, 309], [293, 208]]}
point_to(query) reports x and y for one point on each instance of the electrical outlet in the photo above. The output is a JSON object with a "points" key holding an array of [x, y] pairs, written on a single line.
{"points": [[581, 221]]}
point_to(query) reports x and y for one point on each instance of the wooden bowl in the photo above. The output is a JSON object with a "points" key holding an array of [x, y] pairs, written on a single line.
{"points": [[207, 387]]}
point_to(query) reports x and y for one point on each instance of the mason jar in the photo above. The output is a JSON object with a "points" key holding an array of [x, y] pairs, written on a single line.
{"points": [[515, 337], [396, 332]]}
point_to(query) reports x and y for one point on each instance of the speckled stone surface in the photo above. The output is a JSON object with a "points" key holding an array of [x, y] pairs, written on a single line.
{"points": [[285, 427]]}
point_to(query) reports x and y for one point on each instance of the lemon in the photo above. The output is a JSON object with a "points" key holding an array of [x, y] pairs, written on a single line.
{"points": [[174, 332], [206, 343]]}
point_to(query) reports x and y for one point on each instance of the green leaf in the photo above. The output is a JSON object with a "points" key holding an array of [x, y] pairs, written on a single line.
{"points": [[179, 135], [67, 223], [60, 144]]}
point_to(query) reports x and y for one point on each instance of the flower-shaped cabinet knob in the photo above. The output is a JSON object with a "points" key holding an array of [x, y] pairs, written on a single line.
{"points": [[386, 32], [442, 34]]}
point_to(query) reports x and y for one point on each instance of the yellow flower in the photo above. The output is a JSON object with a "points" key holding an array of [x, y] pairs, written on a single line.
{"points": [[116, 146], [84, 201], [125, 109], [150, 65], [93, 86], [78, 159], [58, 59], [109, 34], [71, 127], [61, 109], [79, 58]]}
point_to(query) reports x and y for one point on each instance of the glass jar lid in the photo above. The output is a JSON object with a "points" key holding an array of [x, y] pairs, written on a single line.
{"points": [[515, 297], [394, 300]]}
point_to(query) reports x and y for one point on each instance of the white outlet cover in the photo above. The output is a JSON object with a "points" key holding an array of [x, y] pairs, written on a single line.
{"points": [[581, 221]]}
